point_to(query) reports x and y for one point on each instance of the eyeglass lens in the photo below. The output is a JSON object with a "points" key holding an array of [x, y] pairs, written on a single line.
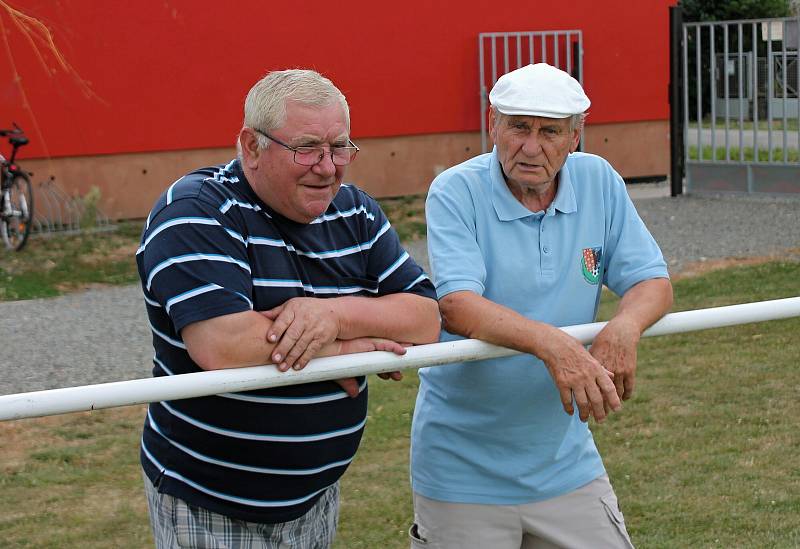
{"points": [[308, 156]]}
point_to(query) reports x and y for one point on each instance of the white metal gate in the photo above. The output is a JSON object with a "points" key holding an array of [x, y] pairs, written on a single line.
{"points": [[501, 52], [741, 105]]}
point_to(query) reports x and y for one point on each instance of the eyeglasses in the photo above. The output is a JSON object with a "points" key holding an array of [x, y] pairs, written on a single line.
{"points": [[311, 156]]}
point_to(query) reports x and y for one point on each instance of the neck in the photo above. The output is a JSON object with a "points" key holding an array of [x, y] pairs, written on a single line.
{"points": [[535, 198]]}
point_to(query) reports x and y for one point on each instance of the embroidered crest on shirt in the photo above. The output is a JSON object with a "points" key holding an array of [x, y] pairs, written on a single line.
{"points": [[590, 264]]}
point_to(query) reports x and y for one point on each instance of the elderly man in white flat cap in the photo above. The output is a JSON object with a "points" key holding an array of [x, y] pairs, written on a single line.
{"points": [[521, 241]]}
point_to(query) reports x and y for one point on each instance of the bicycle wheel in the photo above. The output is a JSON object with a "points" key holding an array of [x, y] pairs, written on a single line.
{"points": [[18, 213]]}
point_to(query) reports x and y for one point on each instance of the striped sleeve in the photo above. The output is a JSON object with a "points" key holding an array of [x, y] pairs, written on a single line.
{"points": [[390, 264], [194, 266]]}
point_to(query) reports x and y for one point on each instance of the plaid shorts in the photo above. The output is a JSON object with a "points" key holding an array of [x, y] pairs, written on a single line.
{"points": [[176, 523]]}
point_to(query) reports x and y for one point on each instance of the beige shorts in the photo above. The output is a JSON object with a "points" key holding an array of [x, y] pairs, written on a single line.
{"points": [[586, 517]]}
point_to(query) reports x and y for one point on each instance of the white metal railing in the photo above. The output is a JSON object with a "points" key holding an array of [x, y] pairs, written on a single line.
{"points": [[125, 393]]}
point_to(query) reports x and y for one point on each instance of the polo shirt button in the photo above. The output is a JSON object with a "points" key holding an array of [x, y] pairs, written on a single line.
{"points": [[546, 250]]}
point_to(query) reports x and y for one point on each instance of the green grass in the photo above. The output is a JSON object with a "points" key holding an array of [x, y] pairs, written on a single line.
{"points": [[50, 265], [706, 454], [763, 125], [792, 155], [71, 481], [407, 215]]}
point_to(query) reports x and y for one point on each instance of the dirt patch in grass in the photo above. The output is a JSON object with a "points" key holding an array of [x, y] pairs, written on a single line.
{"points": [[67, 287], [122, 252], [698, 268], [15, 438], [19, 439]]}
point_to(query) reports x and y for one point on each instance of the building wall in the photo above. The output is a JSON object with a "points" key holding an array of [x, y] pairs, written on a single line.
{"points": [[159, 86], [387, 166]]}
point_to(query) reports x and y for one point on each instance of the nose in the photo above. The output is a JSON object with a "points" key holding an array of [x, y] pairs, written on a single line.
{"points": [[532, 145], [326, 166]]}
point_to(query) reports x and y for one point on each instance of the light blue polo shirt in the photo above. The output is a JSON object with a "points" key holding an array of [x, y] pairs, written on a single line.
{"points": [[494, 431]]}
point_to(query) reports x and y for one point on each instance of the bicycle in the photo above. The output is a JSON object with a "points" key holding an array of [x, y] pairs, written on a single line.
{"points": [[16, 194]]}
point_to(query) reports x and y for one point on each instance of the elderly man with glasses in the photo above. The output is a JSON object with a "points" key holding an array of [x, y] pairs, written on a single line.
{"points": [[269, 258]]}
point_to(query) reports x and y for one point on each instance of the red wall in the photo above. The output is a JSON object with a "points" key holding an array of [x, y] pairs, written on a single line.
{"points": [[172, 74]]}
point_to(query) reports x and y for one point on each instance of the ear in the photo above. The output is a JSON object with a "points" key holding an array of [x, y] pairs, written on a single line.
{"points": [[492, 122], [250, 150], [575, 140]]}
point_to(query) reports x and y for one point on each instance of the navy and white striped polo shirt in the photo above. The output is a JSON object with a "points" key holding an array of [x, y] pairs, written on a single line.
{"points": [[211, 247]]}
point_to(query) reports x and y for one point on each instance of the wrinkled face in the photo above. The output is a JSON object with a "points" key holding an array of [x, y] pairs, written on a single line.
{"points": [[300, 193], [532, 149]]}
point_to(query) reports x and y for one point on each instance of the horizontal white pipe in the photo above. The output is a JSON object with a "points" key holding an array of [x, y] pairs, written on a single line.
{"points": [[125, 393]]}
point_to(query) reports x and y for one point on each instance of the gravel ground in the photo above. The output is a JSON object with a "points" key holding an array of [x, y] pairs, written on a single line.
{"points": [[693, 230], [102, 335]]}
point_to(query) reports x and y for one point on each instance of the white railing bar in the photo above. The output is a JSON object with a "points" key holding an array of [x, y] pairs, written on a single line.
{"points": [[125, 393]]}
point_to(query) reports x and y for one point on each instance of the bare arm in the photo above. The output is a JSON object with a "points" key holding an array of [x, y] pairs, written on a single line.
{"points": [[573, 369], [615, 345], [229, 341], [402, 317], [238, 340], [303, 325]]}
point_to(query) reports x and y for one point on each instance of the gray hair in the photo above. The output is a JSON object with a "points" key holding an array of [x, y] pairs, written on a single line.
{"points": [[265, 104], [576, 121]]}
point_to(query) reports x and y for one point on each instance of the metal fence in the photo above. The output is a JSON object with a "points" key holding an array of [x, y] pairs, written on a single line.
{"points": [[741, 105], [55, 211], [501, 52]]}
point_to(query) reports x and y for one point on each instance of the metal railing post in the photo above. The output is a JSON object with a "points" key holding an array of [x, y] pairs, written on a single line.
{"points": [[676, 52]]}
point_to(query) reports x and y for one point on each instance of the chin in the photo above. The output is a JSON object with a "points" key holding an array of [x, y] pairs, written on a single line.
{"points": [[315, 210]]}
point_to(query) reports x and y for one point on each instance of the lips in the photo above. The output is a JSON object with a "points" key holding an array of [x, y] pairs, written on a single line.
{"points": [[318, 192], [323, 185]]}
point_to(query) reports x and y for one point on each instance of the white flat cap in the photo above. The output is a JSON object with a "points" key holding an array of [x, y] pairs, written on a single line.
{"points": [[539, 90]]}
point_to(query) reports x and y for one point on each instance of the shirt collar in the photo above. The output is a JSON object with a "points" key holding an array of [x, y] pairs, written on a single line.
{"points": [[509, 208], [247, 189]]}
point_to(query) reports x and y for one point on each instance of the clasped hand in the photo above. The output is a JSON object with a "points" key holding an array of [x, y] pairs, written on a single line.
{"points": [[615, 348], [302, 326], [578, 374]]}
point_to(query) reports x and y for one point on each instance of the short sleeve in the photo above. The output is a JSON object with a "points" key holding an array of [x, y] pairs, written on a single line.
{"points": [[632, 253], [457, 263], [388, 262], [193, 265]]}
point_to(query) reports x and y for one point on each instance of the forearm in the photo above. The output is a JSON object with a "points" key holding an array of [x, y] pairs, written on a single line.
{"points": [[404, 317], [470, 315], [576, 374], [644, 304], [234, 341]]}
